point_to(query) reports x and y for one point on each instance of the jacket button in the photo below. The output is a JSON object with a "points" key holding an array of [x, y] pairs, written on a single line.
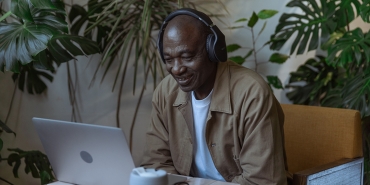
{"points": [[230, 177], [213, 144]]}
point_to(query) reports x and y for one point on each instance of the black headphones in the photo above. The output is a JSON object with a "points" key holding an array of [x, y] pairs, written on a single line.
{"points": [[216, 45]]}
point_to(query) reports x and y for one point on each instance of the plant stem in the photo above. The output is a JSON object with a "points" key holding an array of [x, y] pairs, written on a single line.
{"points": [[347, 21], [6, 181], [254, 51], [7, 14], [11, 101]]}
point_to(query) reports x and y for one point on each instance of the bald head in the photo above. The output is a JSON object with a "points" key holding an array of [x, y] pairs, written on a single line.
{"points": [[188, 25]]}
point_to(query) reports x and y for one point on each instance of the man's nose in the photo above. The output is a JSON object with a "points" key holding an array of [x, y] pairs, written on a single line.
{"points": [[177, 67]]}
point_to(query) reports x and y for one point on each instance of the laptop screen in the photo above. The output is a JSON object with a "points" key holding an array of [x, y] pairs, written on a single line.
{"points": [[84, 153]]}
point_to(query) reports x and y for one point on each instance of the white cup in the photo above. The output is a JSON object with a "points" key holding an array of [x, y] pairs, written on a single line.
{"points": [[141, 176]]}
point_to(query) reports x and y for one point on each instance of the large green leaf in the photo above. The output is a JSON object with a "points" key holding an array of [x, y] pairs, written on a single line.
{"points": [[53, 21], [365, 10], [347, 12], [32, 79], [21, 8], [306, 27], [64, 48], [353, 47], [77, 16], [35, 162], [333, 98], [356, 94], [44, 60], [20, 42], [311, 81]]}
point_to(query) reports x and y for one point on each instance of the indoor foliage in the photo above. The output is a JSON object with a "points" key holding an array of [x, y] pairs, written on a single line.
{"points": [[126, 32], [34, 39], [251, 56], [43, 35], [340, 78]]}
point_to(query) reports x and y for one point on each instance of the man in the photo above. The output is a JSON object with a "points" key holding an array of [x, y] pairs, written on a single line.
{"points": [[210, 119]]}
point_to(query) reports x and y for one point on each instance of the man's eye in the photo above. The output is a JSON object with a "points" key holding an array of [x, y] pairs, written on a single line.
{"points": [[167, 60], [187, 58]]}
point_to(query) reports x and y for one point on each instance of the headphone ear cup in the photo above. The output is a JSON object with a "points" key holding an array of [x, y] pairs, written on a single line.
{"points": [[210, 47]]}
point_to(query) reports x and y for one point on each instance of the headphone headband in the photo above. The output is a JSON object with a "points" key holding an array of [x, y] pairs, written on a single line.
{"points": [[216, 45]]}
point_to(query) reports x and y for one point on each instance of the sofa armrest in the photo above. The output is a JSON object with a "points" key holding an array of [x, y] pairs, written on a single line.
{"points": [[343, 171]]}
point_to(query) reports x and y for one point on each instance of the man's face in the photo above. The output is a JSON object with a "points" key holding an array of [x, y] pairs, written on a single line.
{"points": [[187, 61]]}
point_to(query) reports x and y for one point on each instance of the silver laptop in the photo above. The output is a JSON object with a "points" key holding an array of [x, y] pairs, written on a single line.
{"points": [[87, 154]]}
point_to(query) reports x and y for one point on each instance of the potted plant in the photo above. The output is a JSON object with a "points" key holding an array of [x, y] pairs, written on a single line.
{"points": [[34, 39], [126, 34], [340, 77]]}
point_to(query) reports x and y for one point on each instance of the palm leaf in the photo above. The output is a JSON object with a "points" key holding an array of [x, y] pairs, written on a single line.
{"points": [[306, 27]]}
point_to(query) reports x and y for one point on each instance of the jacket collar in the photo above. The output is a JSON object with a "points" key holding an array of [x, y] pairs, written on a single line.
{"points": [[221, 91]]}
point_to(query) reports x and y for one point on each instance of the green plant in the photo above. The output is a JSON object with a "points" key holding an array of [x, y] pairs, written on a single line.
{"points": [[126, 33], [34, 39], [340, 78], [35, 162], [253, 50], [121, 29], [5, 128]]}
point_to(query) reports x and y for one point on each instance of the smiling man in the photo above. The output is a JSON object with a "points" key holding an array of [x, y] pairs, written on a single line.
{"points": [[212, 118]]}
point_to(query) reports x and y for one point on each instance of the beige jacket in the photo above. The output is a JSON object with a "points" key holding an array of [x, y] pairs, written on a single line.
{"points": [[243, 132]]}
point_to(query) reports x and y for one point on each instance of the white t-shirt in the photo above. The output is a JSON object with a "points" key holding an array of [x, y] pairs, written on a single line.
{"points": [[203, 165]]}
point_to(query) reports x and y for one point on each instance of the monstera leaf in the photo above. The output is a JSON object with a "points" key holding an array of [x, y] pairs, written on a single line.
{"points": [[353, 94], [79, 16], [311, 81], [353, 47], [347, 11], [30, 77], [365, 10], [305, 28], [19, 42], [356, 94], [35, 162], [72, 45], [41, 37]]}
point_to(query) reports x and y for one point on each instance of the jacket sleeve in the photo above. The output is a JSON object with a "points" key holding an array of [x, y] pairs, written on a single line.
{"points": [[157, 153], [262, 155]]}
